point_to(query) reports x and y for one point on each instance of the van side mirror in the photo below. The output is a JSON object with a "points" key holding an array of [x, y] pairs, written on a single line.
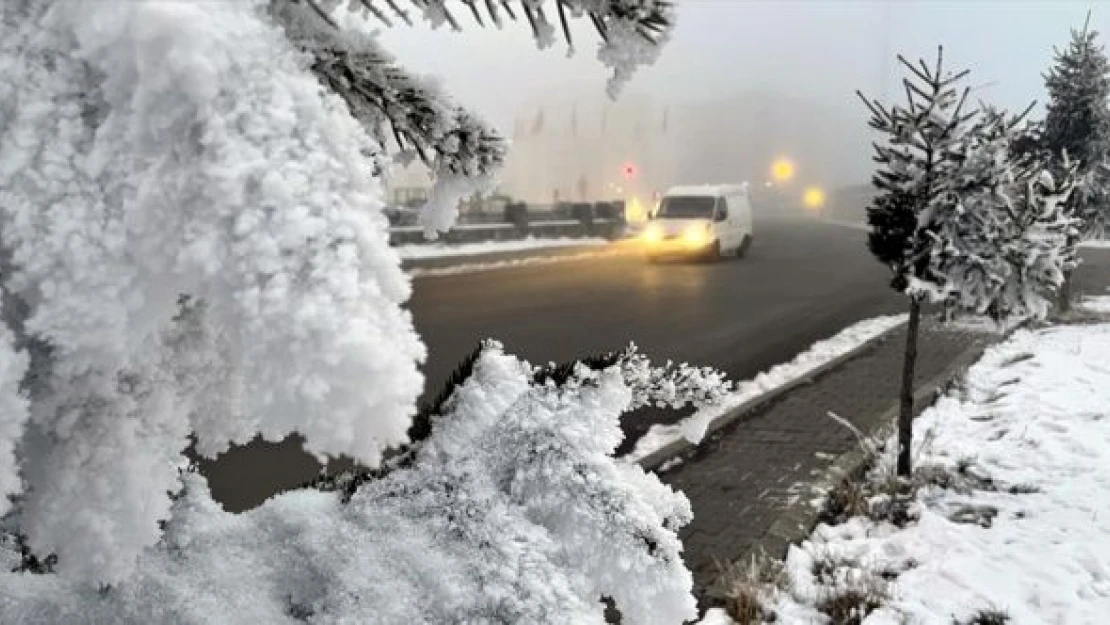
{"points": [[720, 214]]}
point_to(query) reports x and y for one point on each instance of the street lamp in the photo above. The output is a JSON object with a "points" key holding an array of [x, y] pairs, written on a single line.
{"points": [[813, 198], [782, 170]]}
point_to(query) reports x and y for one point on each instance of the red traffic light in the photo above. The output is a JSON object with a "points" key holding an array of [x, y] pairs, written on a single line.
{"points": [[629, 171]]}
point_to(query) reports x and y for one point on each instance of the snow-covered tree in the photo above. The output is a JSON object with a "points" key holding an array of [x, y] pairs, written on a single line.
{"points": [[193, 246], [966, 216], [1076, 129], [919, 158], [1002, 246]]}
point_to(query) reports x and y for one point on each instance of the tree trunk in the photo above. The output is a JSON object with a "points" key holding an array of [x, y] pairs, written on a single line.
{"points": [[905, 412], [1063, 302]]}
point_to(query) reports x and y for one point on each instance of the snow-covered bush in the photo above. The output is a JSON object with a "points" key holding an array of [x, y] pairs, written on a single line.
{"points": [[193, 247], [512, 511]]}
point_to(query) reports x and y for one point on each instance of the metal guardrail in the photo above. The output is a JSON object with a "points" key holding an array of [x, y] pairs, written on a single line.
{"points": [[492, 214], [518, 221], [470, 233]]}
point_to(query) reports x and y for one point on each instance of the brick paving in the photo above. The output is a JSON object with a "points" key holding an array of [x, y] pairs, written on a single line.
{"points": [[740, 480]]}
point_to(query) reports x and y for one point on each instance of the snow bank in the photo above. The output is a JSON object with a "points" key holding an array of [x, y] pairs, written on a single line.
{"points": [[418, 272], [439, 250], [1100, 304], [694, 427], [1034, 417], [1096, 244]]}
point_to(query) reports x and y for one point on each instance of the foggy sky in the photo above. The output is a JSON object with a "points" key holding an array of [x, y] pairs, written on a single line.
{"points": [[816, 52]]}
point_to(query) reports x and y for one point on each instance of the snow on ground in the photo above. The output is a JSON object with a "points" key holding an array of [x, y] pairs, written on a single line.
{"points": [[715, 616], [442, 250], [1097, 245], [1100, 304], [694, 427], [854, 225], [429, 272], [1032, 423]]}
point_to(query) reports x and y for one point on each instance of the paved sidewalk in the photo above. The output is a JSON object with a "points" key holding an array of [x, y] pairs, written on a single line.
{"points": [[742, 478]]}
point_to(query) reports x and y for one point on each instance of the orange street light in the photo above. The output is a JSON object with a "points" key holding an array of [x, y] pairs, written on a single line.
{"points": [[813, 198], [782, 170]]}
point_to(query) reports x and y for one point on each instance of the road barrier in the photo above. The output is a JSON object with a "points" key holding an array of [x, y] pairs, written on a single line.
{"points": [[520, 221]]}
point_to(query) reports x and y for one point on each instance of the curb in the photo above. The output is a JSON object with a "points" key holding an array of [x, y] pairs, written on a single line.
{"points": [[475, 263], [796, 523], [738, 414]]}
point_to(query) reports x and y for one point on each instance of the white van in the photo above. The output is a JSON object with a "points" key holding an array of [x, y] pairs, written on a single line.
{"points": [[708, 220]]}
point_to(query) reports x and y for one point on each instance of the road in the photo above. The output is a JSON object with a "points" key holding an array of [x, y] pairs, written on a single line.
{"points": [[801, 281]]}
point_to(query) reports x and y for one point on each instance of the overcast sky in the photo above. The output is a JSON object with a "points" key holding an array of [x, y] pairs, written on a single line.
{"points": [[819, 50]]}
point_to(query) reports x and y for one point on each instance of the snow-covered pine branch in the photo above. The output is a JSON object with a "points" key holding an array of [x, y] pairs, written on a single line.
{"points": [[671, 386], [632, 32], [410, 113], [193, 246], [158, 149], [513, 510], [399, 110]]}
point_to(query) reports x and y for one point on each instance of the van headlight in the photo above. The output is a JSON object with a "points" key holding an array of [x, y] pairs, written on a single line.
{"points": [[653, 233], [696, 235]]}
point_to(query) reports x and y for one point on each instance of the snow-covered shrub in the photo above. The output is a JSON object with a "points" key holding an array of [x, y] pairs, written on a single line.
{"points": [[512, 511]]}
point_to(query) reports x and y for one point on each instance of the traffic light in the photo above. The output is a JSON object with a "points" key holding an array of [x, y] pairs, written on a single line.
{"points": [[629, 171]]}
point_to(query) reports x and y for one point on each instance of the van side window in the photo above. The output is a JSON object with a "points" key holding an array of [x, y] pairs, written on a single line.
{"points": [[720, 213], [733, 205]]}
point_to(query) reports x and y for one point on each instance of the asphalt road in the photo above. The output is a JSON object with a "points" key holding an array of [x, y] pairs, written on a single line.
{"points": [[801, 281]]}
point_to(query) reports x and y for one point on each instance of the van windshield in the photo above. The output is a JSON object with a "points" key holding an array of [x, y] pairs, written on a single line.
{"points": [[687, 207]]}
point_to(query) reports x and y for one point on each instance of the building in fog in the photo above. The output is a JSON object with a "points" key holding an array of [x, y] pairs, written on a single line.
{"points": [[568, 149], [583, 150], [408, 185]]}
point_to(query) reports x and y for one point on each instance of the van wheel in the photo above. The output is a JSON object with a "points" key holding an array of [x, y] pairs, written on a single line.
{"points": [[742, 249]]}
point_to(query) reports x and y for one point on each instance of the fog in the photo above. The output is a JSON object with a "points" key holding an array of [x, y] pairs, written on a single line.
{"points": [[740, 84]]}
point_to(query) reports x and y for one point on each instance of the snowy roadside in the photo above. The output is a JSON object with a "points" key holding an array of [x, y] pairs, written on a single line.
{"points": [[1011, 514], [854, 225], [693, 428], [443, 250], [862, 226], [476, 267]]}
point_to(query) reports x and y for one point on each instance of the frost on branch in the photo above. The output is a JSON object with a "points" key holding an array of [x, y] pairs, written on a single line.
{"points": [[632, 32], [513, 511], [411, 114], [158, 149], [399, 110], [671, 385]]}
